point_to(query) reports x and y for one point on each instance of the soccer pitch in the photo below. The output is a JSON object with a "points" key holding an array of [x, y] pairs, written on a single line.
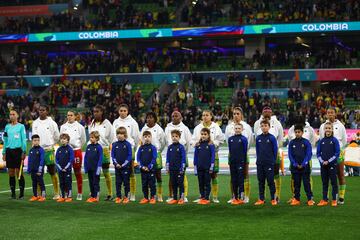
{"points": [[107, 220]]}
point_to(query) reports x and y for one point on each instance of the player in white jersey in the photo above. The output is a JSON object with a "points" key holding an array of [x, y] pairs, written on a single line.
{"points": [[247, 132], [309, 134], [49, 134], [107, 137], [77, 135], [158, 140], [277, 130], [340, 135], [185, 139], [217, 137], [132, 128]]}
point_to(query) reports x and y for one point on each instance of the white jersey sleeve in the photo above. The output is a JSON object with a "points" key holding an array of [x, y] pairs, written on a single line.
{"points": [[110, 133], [188, 138], [343, 135], [162, 138], [135, 132], [82, 134], [228, 131], [291, 133], [218, 136], [55, 130], [196, 135], [312, 136], [257, 128], [321, 131], [280, 137]]}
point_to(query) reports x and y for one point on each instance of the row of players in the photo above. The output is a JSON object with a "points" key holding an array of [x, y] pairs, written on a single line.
{"points": [[47, 129]]}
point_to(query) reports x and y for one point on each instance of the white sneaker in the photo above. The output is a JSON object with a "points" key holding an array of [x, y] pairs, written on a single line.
{"points": [[246, 199], [56, 197], [79, 197], [197, 200], [230, 201], [215, 200], [159, 199], [341, 202], [169, 199], [132, 197], [186, 200]]}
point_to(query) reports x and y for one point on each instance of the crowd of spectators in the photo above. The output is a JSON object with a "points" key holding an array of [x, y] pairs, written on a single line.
{"points": [[84, 94], [114, 61], [75, 94], [206, 12], [197, 95], [117, 14], [321, 57], [171, 60], [94, 15], [313, 105]]}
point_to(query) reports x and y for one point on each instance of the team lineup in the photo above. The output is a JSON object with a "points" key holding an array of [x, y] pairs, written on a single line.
{"points": [[124, 146]]}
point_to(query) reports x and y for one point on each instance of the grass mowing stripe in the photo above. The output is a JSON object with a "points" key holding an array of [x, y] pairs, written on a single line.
{"points": [[106, 220], [46, 185]]}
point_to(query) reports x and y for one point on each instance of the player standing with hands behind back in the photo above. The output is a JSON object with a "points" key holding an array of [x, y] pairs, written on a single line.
{"points": [[64, 159], [217, 138], [328, 152], [121, 154], [146, 157], [133, 137], [339, 133], [107, 137], [92, 166], [48, 131], [238, 147], [185, 139], [204, 164], [36, 163], [266, 153], [77, 135], [158, 140], [300, 152], [175, 165]]}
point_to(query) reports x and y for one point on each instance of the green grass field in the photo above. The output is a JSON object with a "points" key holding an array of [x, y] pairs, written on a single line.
{"points": [[105, 220]]}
